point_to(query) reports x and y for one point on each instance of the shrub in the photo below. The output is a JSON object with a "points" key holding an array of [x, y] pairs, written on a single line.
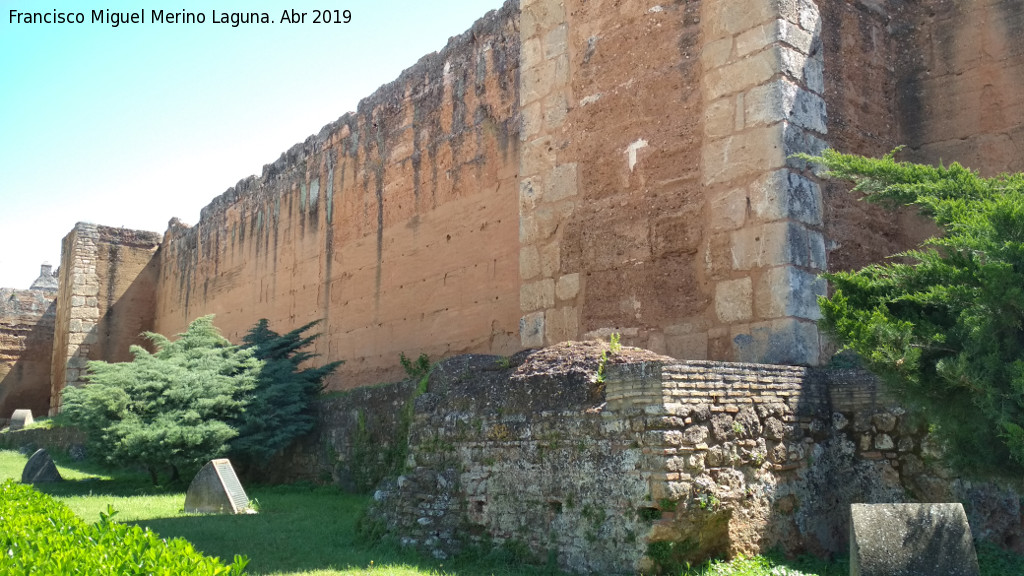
{"points": [[280, 407], [173, 407], [39, 535], [944, 324]]}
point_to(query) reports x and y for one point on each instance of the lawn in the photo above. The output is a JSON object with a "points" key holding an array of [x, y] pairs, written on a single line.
{"points": [[310, 531], [299, 530]]}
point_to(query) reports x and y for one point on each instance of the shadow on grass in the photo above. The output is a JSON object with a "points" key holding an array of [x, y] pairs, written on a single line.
{"points": [[314, 528], [89, 478]]}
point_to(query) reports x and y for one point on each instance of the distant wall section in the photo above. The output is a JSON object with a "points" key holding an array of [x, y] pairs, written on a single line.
{"points": [[106, 300], [26, 345]]}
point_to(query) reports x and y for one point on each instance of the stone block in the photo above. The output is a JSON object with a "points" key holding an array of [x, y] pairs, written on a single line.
{"points": [[85, 313], [535, 82], [716, 53], [743, 155], [542, 222], [780, 30], [20, 419], [734, 300], [816, 245], [40, 469], [562, 183], [786, 195], [727, 19], [728, 209], [911, 539], [718, 117], [808, 16], [561, 324], [556, 42], [537, 295], [741, 75], [687, 346], [532, 118], [567, 287], [788, 291], [782, 100], [550, 259], [556, 108], [797, 139], [532, 53], [216, 490], [782, 341], [548, 13], [529, 262], [531, 190], [535, 157], [531, 330], [768, 245]]}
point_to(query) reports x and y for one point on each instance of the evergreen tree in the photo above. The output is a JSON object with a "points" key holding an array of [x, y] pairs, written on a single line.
{"points": [[280, 407], [944, 323], [173, 407]]}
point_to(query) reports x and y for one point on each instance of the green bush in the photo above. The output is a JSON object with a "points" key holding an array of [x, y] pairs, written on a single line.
{"points": [[171, 408], [944, 324], [39, 535], [280, 408]]}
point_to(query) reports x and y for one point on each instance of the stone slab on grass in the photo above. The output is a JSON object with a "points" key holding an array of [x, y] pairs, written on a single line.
{"points": [[216, 490], [911, 540], [40, 469], [20, 419]]}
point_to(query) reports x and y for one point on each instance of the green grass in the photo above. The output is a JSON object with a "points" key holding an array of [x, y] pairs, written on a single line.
{"points": [[310, 531], [299, 531]]}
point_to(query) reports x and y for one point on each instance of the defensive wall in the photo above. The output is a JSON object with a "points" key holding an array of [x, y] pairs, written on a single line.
{"points": [[26, 344], [565, 169]]}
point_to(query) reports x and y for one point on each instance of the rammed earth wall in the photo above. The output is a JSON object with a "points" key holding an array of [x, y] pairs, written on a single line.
{"points": [[566, 169], [663, 464], [26, 346]]}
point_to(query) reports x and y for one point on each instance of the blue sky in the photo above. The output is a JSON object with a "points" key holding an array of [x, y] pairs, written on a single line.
{"points": [[133, 125]]}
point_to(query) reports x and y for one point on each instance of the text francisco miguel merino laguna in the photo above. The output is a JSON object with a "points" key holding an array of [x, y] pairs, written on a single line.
{"points": [[115, 19]]}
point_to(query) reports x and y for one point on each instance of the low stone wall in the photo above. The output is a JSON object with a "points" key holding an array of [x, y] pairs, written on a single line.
{"points": [[662, 463], [359, 438], [31, 439]]}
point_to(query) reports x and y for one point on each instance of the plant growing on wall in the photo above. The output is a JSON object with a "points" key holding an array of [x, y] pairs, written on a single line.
{"points": [[280, 406], [944, 323], [174, 407]]}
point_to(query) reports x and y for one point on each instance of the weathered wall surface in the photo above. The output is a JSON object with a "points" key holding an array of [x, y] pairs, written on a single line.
{"points": [[26, 346], [567, 169], [961, 82], [944, 78], [860, 55], [105, 300], [360, 437], [396, 224], [663, 464]]}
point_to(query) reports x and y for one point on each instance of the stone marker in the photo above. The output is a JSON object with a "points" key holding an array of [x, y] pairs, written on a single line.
{"points": [[40, 469], [911, 540], [216, 490], [20, 419]]}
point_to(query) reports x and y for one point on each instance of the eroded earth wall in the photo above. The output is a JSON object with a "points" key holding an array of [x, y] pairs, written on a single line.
{"points": [[26, 346], [943, 78], [396, 225], [569, 169]]}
